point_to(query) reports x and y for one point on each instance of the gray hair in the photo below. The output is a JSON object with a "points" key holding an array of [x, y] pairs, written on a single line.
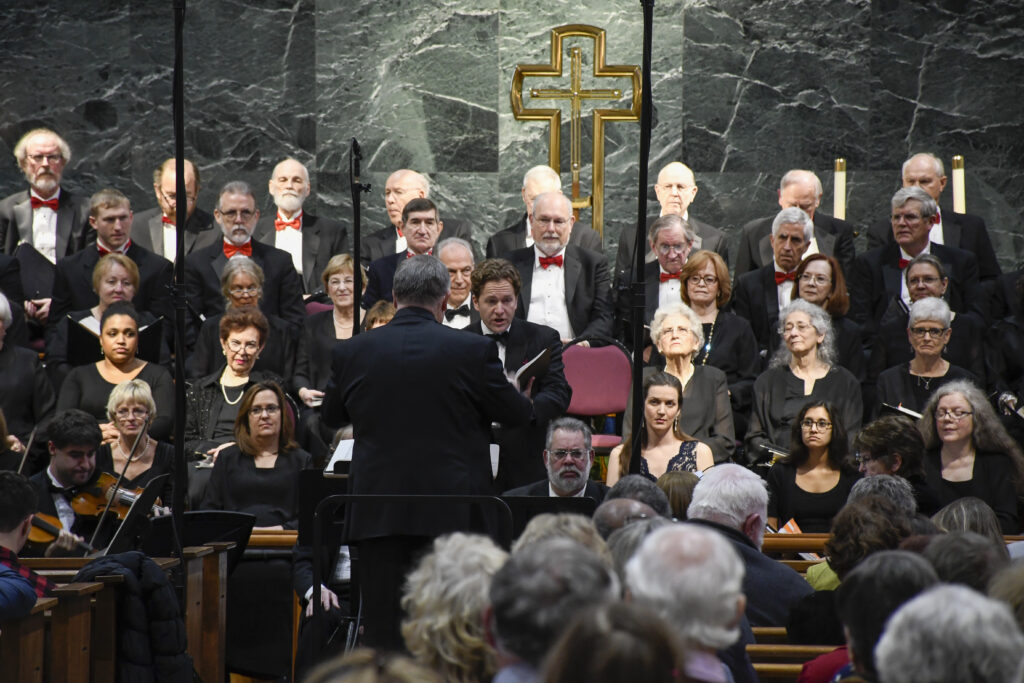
{"points": [[624, 541], [727, 494], [694, 579], [798, 175], [421, 281], [905, 194], [927, 259], [568, 424], [565, 200], [20, 153], [950, 634], [237, 265], [235, 187], [930, 308], [822, 324], [543, 171], [6, 317], [455, 242], [895, 489], [671, 220], [131, 391], [940, 170], [663, 312], [640, 488], [536, 594], [797, 216]]}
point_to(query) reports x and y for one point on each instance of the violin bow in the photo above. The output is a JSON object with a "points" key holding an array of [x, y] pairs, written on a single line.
{"points": [[120, 478], [28, 447]]}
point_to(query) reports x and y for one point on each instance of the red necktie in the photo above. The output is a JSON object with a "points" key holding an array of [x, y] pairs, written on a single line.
{"points": [[781, 277], [168, 221], [546, 261], [38, 203], [665, 277], [295, 223], [104, 251], [231, 250], [903, 263]]}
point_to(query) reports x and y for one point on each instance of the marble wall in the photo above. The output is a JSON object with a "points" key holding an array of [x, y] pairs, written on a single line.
{"points": [[742, 91]]}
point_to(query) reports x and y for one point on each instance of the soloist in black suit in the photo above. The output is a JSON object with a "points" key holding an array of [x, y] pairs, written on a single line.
{"points": [[587, 289], [539, 489], [148, 231], [960, 231], [72, 222], [380, 277], [514, 237], [382, 242], [322, 238], [520, 447], [834, 237], [708, 237]]}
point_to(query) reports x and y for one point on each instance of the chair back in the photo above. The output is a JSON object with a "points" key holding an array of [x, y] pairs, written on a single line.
{"points": [[600, 377], [313, 307]]}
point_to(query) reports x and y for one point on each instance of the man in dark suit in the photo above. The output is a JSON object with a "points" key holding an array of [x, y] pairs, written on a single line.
{"points": [[537, 181], [676, 189], [958, 230], [156, 228], [311, 240], [760, 295], [457, 256], [46, 216], [568, 457], [110, 216], [446, 388], [237, 215], [564, 287], [496, 284], [421, 226], [878, 276], [802, 190]]}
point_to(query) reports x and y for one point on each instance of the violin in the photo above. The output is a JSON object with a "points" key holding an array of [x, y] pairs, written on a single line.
{"points": [[45, 530], [90, 500]]}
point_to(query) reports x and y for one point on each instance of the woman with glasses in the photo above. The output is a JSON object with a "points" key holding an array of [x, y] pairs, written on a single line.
{"points": [[241, 283], [910, 384], [892, 445], [969, 453], [88, 387], [811, 484]]}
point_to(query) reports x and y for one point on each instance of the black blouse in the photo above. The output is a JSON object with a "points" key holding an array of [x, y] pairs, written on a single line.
{"points": [[163, 463], [813, 512], [272, 493]]}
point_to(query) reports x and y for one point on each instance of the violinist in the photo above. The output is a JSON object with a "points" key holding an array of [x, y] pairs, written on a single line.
{"points": [[19, 585], [74, 437]]}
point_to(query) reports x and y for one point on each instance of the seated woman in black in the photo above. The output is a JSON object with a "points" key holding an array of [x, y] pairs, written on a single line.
{"points": [[811, 485], [893, 445], [88, 386], [969, 453]]}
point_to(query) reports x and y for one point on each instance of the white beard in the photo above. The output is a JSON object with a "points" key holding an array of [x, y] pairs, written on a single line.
{"points": [[288, 202]]}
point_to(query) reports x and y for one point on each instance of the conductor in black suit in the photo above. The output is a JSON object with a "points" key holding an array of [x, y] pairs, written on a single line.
{"points": [[537, 181], [564, 287], [237, 215], [832, 236], [156, 228], [446, 387], [310, 240], [496, 286], [568, 457]]}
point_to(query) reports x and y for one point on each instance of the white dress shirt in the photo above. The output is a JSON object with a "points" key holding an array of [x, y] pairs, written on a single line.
{"points": [[290, 240], [44, 228], [64, 511], [400, 242], [529, 232], [936, 234], [170, 235], [578, 494], [547, 297], [668, 291], [785, 290], [459, 321]]}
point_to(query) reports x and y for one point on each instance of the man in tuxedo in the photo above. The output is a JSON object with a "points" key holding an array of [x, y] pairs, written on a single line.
{"points": [[311, 240], [802, 190], [421, 226], [237, 215], [446, 387], [761, 294], [878, 276], [958, 230], [457, 256], [496, 284], [676, 189], [537, 181], [156, 228], [46, 216], [564, 286], [110, 216], [568, 457]]}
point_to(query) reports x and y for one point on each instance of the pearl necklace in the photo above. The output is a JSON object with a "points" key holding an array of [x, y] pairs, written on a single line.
{"points": [[120, 449]]}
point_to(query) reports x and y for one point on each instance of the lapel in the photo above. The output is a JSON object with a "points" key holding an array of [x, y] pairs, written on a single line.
{"points": [[572, 269], [23, 219], [771, 291], [220, 260], [952, 233], [524, 262], [652, 288], [764, 250], [155, 227], [65, 217], [515, 351], [310, 245], [891, 273], [826, 242]]}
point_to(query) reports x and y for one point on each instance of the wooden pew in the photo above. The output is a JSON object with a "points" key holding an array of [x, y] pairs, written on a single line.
{"points": [[23, 644], [769, 634], [71, 632], [780, 662]]}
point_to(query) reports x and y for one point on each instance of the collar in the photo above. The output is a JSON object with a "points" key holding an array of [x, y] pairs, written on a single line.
{"points": [[537, 253], [685, 216], [554, 494], [298, 215], [778, 268], [33, 193], [123, 250], [731, 533], [53, 479], [486, 330], [927, 250], [229, 242]]}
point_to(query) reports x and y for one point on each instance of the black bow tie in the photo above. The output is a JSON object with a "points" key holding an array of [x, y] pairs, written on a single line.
{"points": [[450, 313], [500, 337], [66, 492]]}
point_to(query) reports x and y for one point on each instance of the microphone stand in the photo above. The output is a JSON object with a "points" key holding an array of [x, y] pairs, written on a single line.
{"points": [[356, 187]]}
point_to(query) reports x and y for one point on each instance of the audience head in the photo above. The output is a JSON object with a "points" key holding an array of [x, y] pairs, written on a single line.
{"points": [[236, 212], [675, 189], [819, 280], [110, 215], [950, 634], [537, 181], [73, 437], [165, 187], [289, 185], [871, 593], [568, 455], [640, 488], [578, 528], [421, 225], [971, 514], [264, 416], [693, 578], [495, 284], [678, 485], [913, 214], [896, 490], [402, 186], [705, 279], [379, 315], [1008, 587], [792, 232], [890, 445], [925, 276], [800, 189], [805, 328], [551, 222], [421, 281], [457, 256], [623, 542], [444, 599], [863, 527], [115, 277], [42, 156], [538, 592], [339, 280], [241, 282], [612, 515], [817, 426], [732, 496], [671, 240], [18, 502], [676, 331], [6, 317], [924, 171], [966, 558], [369, 666]]}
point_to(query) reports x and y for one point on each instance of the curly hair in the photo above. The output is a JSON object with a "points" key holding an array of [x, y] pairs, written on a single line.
{"points": [[238, 319], [862, 527], [493, 270], [822, 323]]}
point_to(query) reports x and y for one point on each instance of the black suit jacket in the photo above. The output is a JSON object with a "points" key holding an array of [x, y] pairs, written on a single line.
{"points": [[709, 238], [440, 445], [587, 289], [755, 297], [834, 237], [10, 286], [381, 243], [313, 357], [960, 231], [72, 222], [148, 231], [539, 489], [282, 290], [520, 447], [514, 237], [652, 287], [380, 277], [322, 238]]}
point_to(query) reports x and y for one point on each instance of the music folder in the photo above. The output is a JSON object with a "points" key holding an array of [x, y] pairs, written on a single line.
{"points": [[84, 344]]}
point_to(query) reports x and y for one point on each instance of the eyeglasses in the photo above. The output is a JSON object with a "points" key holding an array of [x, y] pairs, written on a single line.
{"points": [[172, 197], [909, 217], [709, 280], [231, 214], [51, 158], [236, 346], [666, 249], [678, 330], [125, 413], [265, 410], [799, 327], [862, 458], [956, 413], [816, 279], [576, 453], [336, 282], [918, 281], [935, 332], [243, 291], [820, 425]]}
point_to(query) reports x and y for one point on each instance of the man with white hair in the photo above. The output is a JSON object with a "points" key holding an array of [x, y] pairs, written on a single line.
{"points": [[761, 294], [537, 181], [457, 256], [733, 501], [802, 190], [310, 240]]}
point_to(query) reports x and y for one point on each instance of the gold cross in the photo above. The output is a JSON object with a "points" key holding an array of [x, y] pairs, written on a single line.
{"points": [[576, 94]]}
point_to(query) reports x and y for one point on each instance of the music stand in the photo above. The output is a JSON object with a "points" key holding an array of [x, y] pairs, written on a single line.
{"points": [[525, 508], [137, 519], [199, 528]]}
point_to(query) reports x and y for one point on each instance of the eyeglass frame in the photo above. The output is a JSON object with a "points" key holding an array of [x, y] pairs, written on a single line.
{"points": [[943, 413], [560, 454], [810, 425]]}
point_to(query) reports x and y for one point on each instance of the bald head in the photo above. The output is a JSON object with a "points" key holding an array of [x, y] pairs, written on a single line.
{"points": [[800, 189], [676, 188], [537, 181], [617, 513], [402, 186], [925, 171], [165, 187]]}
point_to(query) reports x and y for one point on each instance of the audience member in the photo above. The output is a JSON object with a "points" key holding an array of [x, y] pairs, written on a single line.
{"points": [[971, 514], [678, 486], [19, 585], [379, 315], [966, 558], [568, 457], [864, 526], [364, 665], [421, 226], [564, 525], [893, 445], [1008, 587], [612, 515], [896, 490], [156, 228], [623, 542], [637, 487]]}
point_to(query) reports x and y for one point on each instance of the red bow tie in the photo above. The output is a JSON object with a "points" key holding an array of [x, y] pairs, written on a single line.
{"points": [[409, 254], [104, 251], [781, 277], [546, 261], [903, 263], [665, 277], [295, 223], [168, 221], [231, 250], [38, 203]]}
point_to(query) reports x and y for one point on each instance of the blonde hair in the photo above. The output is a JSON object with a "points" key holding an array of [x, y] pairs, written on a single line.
{"points": [[131, 391]]}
